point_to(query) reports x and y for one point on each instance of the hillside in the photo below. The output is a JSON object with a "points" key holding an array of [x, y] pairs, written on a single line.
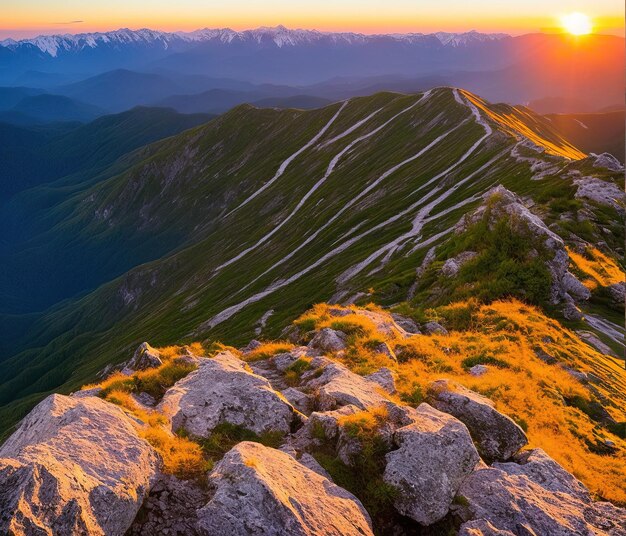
{"points": [[41, 154], [363, 423], [227, 230]]}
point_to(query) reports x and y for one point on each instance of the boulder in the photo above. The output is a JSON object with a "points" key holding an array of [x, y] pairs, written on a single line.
{"points": [[617, 292], [259, 490], [602, 192], [497, 436], [145, 357], [453, 265], [574, 287], [606, 160], [328, 340], [537, 496], [435, 454], [221, 390], [478, 370], [337, 386], [431, 328], [385, 378], [299, 400], [571, 311], [406, 323], [74, 466]]}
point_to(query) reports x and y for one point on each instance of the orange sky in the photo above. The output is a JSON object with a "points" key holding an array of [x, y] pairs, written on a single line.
{"points": [[23, 18]]}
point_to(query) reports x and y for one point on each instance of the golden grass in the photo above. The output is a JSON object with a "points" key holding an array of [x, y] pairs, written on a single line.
{"points": [[504, 335], [267, 350], [599, 269]]}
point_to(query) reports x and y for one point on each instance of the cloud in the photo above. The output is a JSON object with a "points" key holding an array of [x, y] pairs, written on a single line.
{"points": [[69, 22]]}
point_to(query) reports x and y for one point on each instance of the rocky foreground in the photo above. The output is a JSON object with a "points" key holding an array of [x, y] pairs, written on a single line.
{"points": [[80, 464]]}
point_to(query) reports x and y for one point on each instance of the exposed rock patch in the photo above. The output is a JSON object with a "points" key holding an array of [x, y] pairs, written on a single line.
{"points": [[74, 466], [221, 390], [537, 496], [496, 435], [259, 490], [435, 454]]}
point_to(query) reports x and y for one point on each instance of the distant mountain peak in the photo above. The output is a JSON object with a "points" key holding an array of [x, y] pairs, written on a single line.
{"points": [[280, 35]]}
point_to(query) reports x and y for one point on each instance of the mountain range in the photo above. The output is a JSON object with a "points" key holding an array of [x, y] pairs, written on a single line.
{"points": [[575, 74]]}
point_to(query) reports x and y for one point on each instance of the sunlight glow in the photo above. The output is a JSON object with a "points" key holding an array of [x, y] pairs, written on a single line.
{"points": [[577, 23]]}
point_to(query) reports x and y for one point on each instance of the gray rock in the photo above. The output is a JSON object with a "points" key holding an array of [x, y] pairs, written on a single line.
{"points": [[145, 357], [406, 323], [591, 339], [74, 466], [537, 496], [496, 435], [608, 161], [299, 400], [328, 340], [600, 191], [435, 454], [385, 349], [478, 370], [223, 389], [259, 490], [431, 328], [453, 265], [83, 393], [571, 312], [618, 292], [384, 377], [574, 287], [337, 386]]}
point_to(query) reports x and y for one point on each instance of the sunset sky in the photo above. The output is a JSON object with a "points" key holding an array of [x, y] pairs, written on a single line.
{"points": [[27, 18]]}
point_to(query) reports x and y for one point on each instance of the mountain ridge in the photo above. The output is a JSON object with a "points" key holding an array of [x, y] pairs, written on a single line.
{"points": [[291, 224]]}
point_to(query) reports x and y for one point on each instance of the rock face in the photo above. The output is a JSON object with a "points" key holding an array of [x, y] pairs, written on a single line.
{"points": [[74, 466], [145, 357], [608, 161], [537, 496], [435, 455], [223, 390], [259, 490], [337, 386], [453, 265], [496, 435], [328, 340], [603, 192]]}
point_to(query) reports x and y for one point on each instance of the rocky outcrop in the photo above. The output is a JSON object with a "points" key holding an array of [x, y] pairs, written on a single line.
{"points": [[603, 192], [328, 340], [536, 496], [435, 454], [453, 265], [258, 490], [145, 357], [501, 203], [384, 377], [496, 435], [74, 466], [221, 390], [606, 160], [337, 386]]}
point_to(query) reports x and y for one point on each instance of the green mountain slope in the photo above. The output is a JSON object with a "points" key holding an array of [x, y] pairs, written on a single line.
{"points": [[265, 212]]}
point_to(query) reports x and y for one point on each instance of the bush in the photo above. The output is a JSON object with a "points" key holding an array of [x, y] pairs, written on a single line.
{"points": [[226, 435]]}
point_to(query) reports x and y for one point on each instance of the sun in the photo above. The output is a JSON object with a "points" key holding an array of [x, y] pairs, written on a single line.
{"points": [[576, 23]]}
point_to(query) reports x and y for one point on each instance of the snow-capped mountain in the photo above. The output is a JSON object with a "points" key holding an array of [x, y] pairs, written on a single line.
{"points": [[55, 45]]}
